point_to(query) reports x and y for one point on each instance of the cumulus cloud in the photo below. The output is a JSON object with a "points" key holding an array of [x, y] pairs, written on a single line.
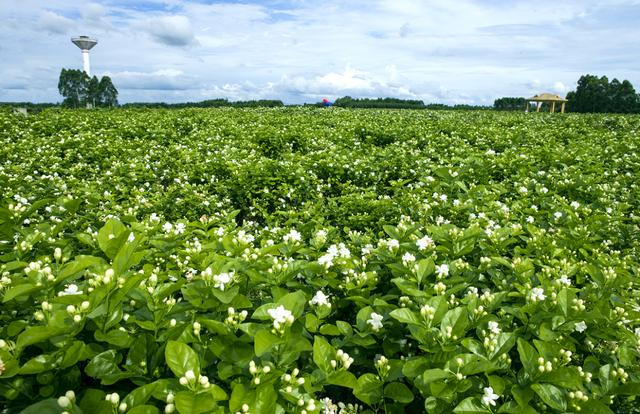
{"points": [[54, 23], [297, 51], [96, 15], [163, 79], [171, 30], [348, 82]]}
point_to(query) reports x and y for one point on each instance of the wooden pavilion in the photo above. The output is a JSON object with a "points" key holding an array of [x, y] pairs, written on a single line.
{"points": [[548, 98]]}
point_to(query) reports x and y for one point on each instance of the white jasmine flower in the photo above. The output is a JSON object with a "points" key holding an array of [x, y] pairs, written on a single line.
{"points": [[442, 270], [221, 280], [320, 299], [131, 237], [293, 236], [393, 244], [180, 228], [537, 294], [326, 260], [167, 227], [424, 243], [280, 316], [375, 321], [489, 397], [72, 289], [564, 280], [581, 326], [408, 258], [343, 251], [493, 327]]}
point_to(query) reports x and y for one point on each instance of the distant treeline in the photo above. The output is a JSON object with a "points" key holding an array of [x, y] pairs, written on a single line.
{"points": [[510, 104], [31, 107], [210, 103], [394, 103]]}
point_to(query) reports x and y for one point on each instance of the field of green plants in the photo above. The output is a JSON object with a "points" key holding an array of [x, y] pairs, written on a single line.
{"points": [[305, 261]]}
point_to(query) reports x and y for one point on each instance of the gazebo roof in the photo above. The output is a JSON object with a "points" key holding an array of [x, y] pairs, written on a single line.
{"points": [[547, 97]]}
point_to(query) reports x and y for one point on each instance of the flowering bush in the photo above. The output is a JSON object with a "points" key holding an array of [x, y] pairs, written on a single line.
{"points": [[438, 262]]}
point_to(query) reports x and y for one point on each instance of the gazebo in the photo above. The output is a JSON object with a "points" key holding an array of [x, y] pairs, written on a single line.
{"points": [[548, 98]]}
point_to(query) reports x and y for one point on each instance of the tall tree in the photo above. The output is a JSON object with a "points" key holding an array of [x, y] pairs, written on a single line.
{"points": [[73, 86], [79, 90], [595, 94], [93, 92], [108, 95]]}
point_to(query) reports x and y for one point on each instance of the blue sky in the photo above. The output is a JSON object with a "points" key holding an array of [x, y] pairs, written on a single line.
{"points": [[464, 51]]}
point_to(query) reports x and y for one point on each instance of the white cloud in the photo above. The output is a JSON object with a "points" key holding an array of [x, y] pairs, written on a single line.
{"points": [[164, 79], [171, 30], [54, 23], [468, 51]]}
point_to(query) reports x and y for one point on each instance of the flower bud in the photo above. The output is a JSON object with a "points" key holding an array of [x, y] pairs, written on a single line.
{"points": [[64, 401]]}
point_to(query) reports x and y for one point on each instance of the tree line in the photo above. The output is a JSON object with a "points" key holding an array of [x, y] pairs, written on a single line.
{"points": [[79, 90], [209, 103], [592, 95]]}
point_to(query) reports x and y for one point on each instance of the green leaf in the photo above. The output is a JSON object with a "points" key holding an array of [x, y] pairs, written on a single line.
{"points": [[38, 364], [323, 353], [126, 257], [93, 402], [342, 378], [239, 395], [504, 342], [551, 395], [140, 395], [434, 374], [398, 392], [565, 377], [48, 406], [181, 358], [189, 403], [471, 405], [265, 401], [368, 389], [426, 267], [405, 315], [329, 330], [79, 264], [264, 341], [111, 236], [144, 409], [20, 290], [457, 320], [528, 357], [36, 334], [345, 328]]}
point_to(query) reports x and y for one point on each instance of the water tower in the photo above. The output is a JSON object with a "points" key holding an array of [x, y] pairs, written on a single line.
{"points": [[85, 43]]}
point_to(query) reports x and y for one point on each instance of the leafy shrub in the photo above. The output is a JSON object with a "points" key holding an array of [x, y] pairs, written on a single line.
{"points": [[490, 269]]}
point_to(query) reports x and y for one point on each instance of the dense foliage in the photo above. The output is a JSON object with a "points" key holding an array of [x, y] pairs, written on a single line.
{"points": [[80, 90], [595, 95], [303, 261], [510, 104], [390, 103], [209, 103]]}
